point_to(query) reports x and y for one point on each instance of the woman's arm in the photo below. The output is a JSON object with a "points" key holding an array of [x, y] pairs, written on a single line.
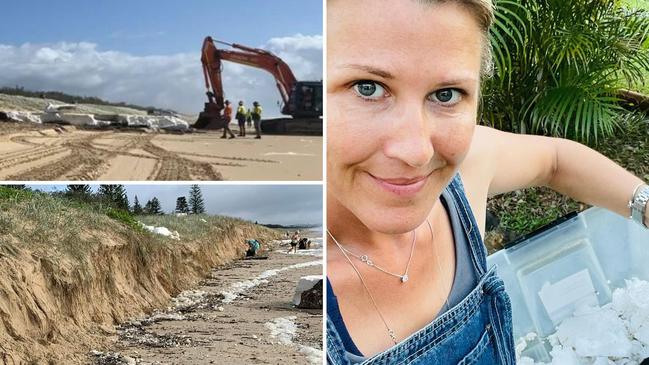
{"points": [[588, 176], [519, 161]]}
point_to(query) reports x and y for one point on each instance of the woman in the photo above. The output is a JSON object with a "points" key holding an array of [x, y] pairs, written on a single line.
{"points": [[408, 176]]}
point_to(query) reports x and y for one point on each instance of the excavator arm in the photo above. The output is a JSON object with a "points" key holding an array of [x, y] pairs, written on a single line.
{"points": [[302, 100], [212, 66]]}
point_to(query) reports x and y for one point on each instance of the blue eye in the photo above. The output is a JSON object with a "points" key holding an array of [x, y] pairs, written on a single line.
{"points": [[446, 97], [369, 90]]}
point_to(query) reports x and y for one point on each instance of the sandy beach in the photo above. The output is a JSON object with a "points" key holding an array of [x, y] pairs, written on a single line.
{"points": [[241, 314], [53, 152]]}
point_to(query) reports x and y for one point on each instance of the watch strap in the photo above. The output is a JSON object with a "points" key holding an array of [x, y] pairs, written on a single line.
{"points": [[638, 204]]}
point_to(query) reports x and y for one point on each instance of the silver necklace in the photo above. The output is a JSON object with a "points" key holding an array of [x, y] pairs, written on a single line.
{"points": [[389, 330], [369, 262]]}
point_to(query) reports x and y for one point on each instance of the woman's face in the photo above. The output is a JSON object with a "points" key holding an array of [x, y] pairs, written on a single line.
{"points": [[402, 88]]}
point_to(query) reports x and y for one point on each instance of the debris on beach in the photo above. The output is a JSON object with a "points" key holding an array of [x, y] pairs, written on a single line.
{"points": [[239, 288], [284, 330], [112, 358], [55, 113], [308, 293], [616, 333], [163, 231]]}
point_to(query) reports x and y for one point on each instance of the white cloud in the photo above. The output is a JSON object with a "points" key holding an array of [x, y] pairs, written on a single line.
{"points": [[167, 81]]}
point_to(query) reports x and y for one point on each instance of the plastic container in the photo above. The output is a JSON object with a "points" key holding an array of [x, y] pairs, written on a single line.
{"points": [[580, 259]]}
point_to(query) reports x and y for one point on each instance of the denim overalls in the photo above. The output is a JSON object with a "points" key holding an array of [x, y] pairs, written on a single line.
{"points": [[478, 330]]}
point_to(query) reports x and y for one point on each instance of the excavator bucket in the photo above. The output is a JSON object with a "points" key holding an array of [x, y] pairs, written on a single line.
{"points": [[210, 118]]}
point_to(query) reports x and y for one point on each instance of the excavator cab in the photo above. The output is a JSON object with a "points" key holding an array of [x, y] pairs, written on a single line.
{"points": [[305, 100]]}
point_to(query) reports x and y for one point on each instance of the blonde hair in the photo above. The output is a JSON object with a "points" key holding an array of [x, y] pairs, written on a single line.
{"points": [[483, 11]]}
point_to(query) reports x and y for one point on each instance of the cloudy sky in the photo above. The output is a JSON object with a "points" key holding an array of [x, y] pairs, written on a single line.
{"points": [[148, 52], [279, 204]]}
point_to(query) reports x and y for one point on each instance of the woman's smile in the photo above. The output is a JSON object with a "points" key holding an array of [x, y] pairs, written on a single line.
{"points": [[403, 186]]}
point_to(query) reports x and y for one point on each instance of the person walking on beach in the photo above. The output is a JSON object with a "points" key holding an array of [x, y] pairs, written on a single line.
{"points": [[295, 239], [241, 119], [256, 118], [227, 115]]}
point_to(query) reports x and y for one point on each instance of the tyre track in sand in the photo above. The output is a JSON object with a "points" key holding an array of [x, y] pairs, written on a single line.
{"points": [[87, 161], [172, 167], [84, 162], [19, 158], [73, 153]]}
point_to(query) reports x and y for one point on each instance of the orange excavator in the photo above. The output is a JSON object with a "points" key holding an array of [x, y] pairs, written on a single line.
{"points": [[302, 100]]}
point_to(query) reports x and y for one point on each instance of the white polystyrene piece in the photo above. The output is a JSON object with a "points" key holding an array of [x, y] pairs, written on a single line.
{"points": [[305, 283]]}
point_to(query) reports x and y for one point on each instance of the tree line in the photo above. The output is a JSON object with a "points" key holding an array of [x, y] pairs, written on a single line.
{"points": [[115, 195], [75, 99]]}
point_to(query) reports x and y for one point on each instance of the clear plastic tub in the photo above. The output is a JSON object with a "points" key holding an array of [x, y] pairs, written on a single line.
{"points": [[578, 260]]}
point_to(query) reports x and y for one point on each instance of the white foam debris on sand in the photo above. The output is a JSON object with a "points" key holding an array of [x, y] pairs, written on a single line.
{"points": [[154, 122], [305, 283], [163, 231], [616, 333], [55, 108], [24, 117], [285, 329], [188, 298], [313, 355], [167, 317], [310, 252], [53, 113], [74, 119], [238, 288]]}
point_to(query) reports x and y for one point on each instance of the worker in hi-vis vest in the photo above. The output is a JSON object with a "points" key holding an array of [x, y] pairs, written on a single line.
{"points": [[256, 118], [227, 115], [241, 118]]}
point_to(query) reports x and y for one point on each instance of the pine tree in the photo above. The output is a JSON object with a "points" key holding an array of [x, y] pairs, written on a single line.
{"points": [[147, 208], [153, 207], [80, 192], [196, 203], [137, 208], [114, 195], [105, 193], [181, 205], [120, 198]]}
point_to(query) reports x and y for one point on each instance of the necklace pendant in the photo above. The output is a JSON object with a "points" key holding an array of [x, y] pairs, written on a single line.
{"points": [[404, 278], [392, 336]]}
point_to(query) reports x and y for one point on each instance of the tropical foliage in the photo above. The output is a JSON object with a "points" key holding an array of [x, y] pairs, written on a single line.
{"points": [[560, 64]]}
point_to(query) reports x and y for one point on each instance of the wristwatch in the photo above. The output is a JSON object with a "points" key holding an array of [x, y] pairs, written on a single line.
{"points": [[638, 204]]}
